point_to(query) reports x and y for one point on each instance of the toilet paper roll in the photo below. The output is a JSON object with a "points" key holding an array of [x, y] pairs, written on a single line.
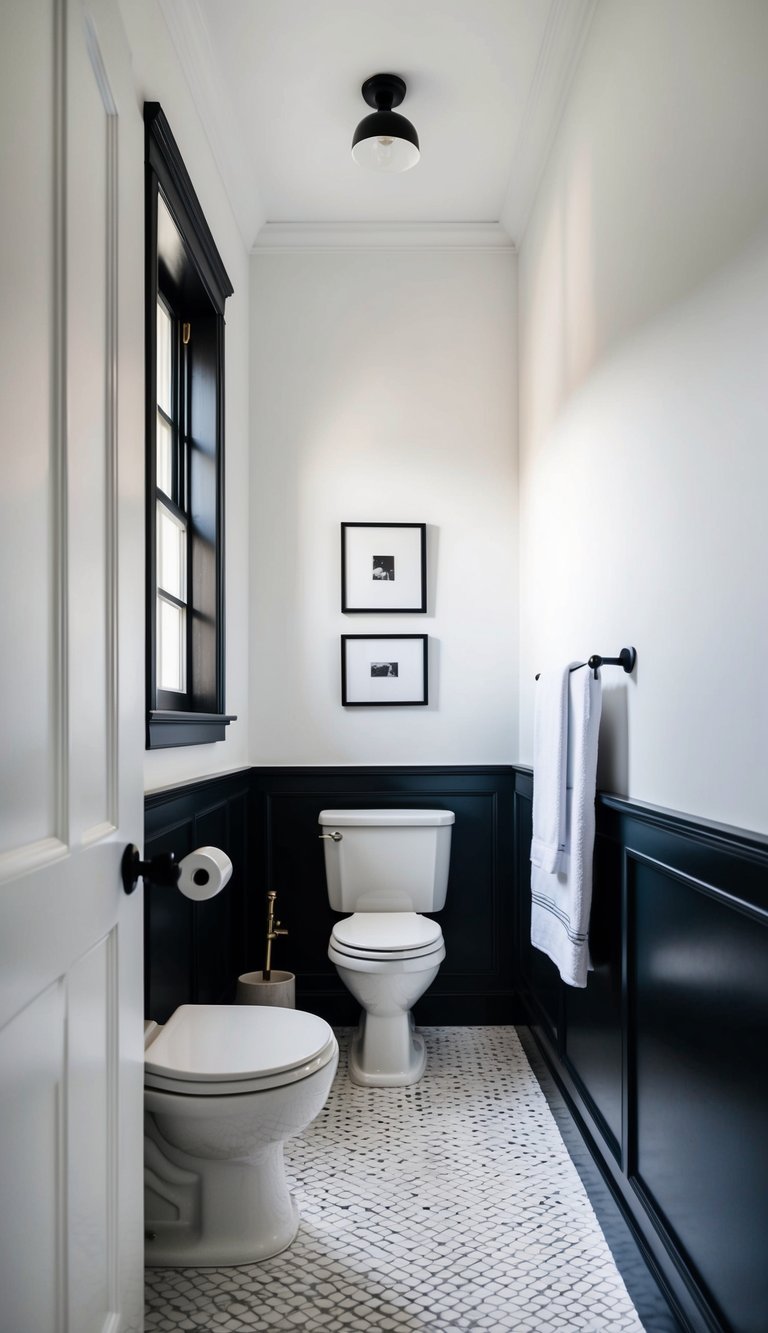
{"points": [[204, 873]]}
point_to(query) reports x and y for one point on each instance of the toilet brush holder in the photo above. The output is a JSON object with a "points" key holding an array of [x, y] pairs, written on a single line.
{"points": [[278, 989]]}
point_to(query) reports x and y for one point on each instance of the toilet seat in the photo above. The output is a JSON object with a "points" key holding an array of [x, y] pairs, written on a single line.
{"points": [[392, 956], [394, 964], [386, 936], [381, 942], [209, 1050]]}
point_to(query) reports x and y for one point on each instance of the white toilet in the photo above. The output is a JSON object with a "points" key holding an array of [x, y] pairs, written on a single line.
{"points": [[224, 1087], [386, 867]]}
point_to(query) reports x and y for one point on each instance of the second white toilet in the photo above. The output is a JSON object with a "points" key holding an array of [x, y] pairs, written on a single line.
{"points": [[386, 867]]}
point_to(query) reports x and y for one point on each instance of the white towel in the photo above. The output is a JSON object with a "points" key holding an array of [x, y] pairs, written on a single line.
{"points": [[561, 900], [550, 752]]}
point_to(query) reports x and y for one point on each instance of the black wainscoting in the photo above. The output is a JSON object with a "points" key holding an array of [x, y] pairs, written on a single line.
{"points": [[266, 820], [663, 1056], [475, 983], [194, 952]]}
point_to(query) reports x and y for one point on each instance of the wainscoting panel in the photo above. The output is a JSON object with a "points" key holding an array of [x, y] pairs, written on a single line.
{"points": [[593, 1017], [662, 1056], [476, 982], [194, 952], [699, 1004]]}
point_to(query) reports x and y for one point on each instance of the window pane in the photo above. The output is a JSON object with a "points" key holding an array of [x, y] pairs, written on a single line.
{"points": [[164, 359], [170, 646], [164, 456], [171, 552]]}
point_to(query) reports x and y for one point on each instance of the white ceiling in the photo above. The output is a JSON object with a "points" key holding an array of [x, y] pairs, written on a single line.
{"points": [[277, 83]]}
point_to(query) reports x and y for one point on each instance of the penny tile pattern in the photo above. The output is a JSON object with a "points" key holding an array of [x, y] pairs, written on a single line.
{"points": [[450, 1205]]}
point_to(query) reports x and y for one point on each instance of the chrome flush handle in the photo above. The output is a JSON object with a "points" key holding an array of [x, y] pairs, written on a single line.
{"points": [[335, 837]]}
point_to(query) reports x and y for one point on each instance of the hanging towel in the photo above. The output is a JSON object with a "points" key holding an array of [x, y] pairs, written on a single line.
{"points": [[550, 745], [561, 900]]}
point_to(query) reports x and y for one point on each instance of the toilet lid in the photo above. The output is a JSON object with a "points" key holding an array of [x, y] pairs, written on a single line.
{"points": [[385, 932], [231, 1044]]}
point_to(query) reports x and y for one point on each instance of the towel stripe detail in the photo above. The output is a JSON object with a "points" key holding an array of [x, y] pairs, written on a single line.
{"points": [[576, 937]]}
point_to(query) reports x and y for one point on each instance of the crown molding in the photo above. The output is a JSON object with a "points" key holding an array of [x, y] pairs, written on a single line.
{"points": [[194, 49], [564, 37], [567, 26], [277, 237]]}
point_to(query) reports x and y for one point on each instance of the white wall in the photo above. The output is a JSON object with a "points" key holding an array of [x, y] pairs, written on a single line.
{"points": [[158, 78], [383, 389], [644, 401]]}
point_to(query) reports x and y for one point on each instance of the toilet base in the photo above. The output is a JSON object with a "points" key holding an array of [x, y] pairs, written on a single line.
{"points": [[386, 1052], [211, 1214]]}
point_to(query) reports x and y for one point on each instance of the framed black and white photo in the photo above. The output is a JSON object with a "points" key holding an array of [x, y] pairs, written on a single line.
{"points": [[383, 669], [383, 567]]}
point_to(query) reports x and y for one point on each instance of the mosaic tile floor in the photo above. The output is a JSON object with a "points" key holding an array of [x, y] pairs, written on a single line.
{"points": [[451, 1205]]}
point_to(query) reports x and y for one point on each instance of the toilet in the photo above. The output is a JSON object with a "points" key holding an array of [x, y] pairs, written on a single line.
{"points": [[386, 867], [224, 1087]]}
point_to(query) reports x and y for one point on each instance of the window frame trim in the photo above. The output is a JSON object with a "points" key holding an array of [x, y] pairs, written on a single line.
{"points": [[166, 173]]}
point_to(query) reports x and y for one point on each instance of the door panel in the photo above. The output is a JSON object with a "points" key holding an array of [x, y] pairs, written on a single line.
{"points": [[92, 292], [71, 592], [91, 1099], [27, 286], [31, 1174]]}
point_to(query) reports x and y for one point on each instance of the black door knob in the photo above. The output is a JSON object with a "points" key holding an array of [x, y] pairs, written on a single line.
{"points": [[163, 870]]}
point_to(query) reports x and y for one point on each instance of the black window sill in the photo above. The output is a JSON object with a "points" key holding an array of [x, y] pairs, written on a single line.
{"points": [[166, 729]]}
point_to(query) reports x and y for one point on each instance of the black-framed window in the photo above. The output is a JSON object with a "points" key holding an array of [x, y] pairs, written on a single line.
{"points": [[186, 290]]}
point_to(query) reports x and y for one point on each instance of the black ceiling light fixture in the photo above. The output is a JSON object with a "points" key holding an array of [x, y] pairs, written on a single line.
{"points": [[385, 141]]}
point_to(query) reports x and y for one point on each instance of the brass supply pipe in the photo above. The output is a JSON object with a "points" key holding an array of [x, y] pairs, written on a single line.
{"points": [[273, 930]]}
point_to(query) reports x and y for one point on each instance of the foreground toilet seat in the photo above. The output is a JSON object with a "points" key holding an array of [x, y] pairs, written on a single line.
{"points": [[214, 1050]]}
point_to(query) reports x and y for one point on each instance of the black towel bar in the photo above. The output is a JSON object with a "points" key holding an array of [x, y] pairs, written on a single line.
{"points": [[626, 659]]}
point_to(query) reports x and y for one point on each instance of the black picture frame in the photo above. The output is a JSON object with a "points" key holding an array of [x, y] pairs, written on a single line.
{"points": [[384, 568], [368, 679]]}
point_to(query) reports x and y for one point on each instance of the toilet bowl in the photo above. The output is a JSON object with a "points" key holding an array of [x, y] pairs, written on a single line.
{"points": [[387, 960], [386, 867], [224, 1087]]}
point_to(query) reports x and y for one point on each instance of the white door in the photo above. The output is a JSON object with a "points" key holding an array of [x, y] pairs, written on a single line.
{"points": [[71, 669]]}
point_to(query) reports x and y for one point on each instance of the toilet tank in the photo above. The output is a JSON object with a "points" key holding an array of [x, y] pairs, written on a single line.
{"points": [[387, 860]]}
